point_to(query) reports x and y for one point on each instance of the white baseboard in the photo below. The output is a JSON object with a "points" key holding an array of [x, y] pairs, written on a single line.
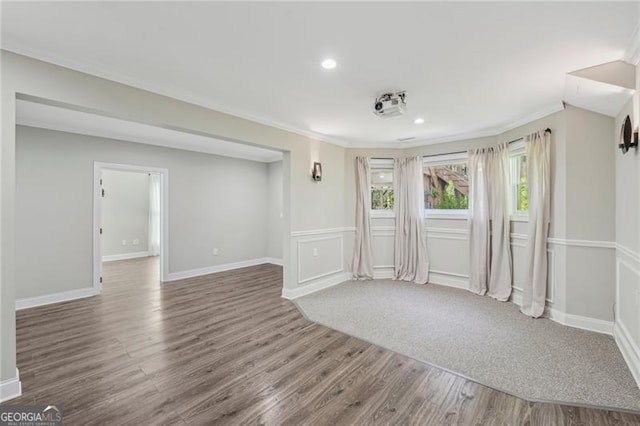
{"points": [[383, 273], [570, 320], [65, 296], [294, 293], [273, 261], [126, 256], [630, 351], [174, 276], [10, 388], [584, 323], [449, 279]]}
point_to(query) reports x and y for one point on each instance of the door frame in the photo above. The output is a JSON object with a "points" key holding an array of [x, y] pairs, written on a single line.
{"points": [[98, 167]]}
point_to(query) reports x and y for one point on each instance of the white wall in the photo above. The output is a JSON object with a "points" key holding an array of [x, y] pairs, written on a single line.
{"points": [[627, 237], [214, 202], [125, 212], [274, 211]]}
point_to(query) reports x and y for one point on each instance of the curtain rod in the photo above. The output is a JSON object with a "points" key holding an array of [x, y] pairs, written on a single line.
{"points": [[547, 130]]}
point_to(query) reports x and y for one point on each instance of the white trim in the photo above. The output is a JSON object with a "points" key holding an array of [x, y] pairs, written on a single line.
{"points": [[495, 131], [630, 351], [386, 272], [452, 214], [375, 229], [381, 163], [584, 323], [294, 293], [126, 256], [570, 243], [322, 231], [449, 279], [315, 277], [382, 214], [177, 94], [95, 70], [98, 167], [65, 296], [274, 261], [10, 388], [175, 276], [445, 159], [582, 243], [626, 344], [633, 255], [519, 217], [457, 231], [569, 320]]}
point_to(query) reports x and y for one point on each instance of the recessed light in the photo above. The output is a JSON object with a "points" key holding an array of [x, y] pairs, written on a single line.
{"points": [[418, 120], [329, 64]]}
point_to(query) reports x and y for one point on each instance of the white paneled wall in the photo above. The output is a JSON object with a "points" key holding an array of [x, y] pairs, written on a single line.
{"points": [[627, 326]]}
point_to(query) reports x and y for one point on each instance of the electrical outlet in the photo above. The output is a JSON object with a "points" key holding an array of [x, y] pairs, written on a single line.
{"points": [[124, 242], [136, 242], [315, 252], [215, 251]]}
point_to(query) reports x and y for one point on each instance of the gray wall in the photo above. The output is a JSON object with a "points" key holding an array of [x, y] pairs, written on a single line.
{"points": [[22, 76], [125, 211], [582, 211], [215, 202], [627, 237], [274, 211]]}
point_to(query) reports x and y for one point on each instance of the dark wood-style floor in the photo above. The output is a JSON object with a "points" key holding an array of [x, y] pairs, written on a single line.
{"points": [[227, 349]]}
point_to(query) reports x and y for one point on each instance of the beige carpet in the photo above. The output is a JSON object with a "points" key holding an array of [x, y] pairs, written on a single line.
{"points": [[477, 337]]}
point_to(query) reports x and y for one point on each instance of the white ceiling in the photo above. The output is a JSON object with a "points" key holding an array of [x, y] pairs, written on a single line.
{"points": [[55, 118], [468, 68]]}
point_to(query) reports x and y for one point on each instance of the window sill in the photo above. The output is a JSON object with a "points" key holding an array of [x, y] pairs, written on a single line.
{"points": [[446, 214], [519, 217], [382, 214]]}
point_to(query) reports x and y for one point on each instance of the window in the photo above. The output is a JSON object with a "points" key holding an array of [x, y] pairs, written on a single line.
{"points": [[446, 182], [382, 196], [518, 179]]}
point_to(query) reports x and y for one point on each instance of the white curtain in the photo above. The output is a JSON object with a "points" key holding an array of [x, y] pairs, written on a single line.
{"points": [[489, 249], [539, 178], [154, 214], [362, 257], [411, 262]]}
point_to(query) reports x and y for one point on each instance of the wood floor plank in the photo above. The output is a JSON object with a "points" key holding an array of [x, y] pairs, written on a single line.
{"points": [[227, 349]]}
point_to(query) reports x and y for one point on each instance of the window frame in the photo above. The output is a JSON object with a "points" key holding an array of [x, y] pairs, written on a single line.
{"points": [[382, 164], [446, 160], [516, 150]]}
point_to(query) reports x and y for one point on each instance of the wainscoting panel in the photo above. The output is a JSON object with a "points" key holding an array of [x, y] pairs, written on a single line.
{"points": [[627, 327], [320, 257], [382, 245]]}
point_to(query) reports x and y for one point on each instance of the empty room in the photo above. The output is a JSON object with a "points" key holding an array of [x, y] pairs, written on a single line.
{"points": [[315, 213]]}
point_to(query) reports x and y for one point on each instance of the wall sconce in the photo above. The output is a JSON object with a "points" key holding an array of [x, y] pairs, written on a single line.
{"points": [[625, 136], [316, 173]]}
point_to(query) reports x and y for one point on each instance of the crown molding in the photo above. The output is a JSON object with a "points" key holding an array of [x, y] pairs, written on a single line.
{"points": [[170, 92], [495, 131], [175, 93]]}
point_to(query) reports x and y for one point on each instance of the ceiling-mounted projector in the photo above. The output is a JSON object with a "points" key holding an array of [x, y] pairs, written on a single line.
{"points": [[390, 105]]}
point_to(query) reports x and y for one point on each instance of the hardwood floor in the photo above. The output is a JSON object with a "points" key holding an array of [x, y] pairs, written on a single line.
{"points": [[227, 349]]}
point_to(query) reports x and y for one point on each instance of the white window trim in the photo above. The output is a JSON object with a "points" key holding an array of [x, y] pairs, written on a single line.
{"points": [[516, 149], [450, 214], [445, 160], [381, 164]]}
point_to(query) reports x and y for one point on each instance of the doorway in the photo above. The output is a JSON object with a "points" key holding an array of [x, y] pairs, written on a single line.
{"points": [[130, 215]]}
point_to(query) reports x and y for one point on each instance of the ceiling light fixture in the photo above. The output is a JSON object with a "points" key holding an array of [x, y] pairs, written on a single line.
{"points": [[418, 120], [329, 64]]}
